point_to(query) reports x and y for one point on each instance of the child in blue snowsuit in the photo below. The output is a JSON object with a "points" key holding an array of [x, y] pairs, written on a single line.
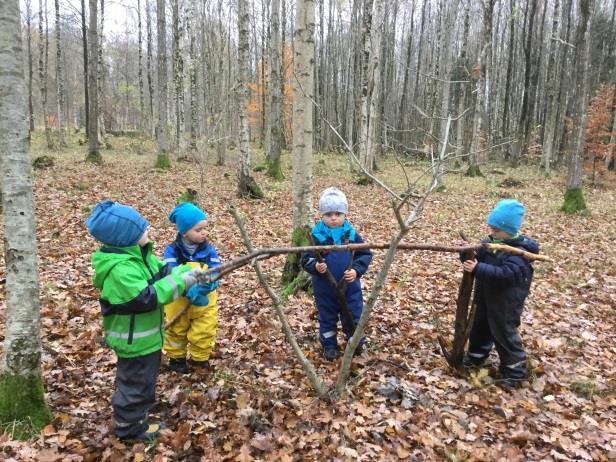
{"points": [[334, 228], [503, 282]]}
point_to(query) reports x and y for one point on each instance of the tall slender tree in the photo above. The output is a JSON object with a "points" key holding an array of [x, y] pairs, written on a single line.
{"points": [[574, 196], [94, 154], [148, 25], [140, 68], [28, 5], [84, 44], [247, 186], [22, 400], [162, 137], [43, 60], [275, 97], [303, 129], [59, 79]]}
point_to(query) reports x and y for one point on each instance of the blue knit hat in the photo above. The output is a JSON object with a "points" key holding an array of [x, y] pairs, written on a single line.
{"points": [[116, 224], [186, 215], [507, 215]]}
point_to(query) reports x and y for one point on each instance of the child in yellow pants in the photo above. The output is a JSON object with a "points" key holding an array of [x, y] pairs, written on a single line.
{"points": [[195, 331]]}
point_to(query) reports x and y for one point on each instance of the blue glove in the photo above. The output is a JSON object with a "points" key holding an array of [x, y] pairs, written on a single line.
{"points": [[211, 286], [197, 295]]}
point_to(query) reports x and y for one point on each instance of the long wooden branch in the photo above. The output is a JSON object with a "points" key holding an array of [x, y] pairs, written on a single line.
{"points": [[266, 253], [311, 373]]}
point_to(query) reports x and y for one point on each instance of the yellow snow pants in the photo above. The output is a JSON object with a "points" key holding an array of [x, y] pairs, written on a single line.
{"points": [[195, 331]]}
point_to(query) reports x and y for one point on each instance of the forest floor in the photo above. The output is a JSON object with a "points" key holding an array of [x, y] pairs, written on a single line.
{"points": [[404, 403]]}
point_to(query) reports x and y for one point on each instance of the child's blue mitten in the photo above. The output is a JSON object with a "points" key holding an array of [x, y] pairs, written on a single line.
{"points": [[198, 295], [211, 286]]}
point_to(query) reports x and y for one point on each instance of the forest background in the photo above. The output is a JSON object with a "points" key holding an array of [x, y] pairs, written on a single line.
{"points": [[491, 98]]}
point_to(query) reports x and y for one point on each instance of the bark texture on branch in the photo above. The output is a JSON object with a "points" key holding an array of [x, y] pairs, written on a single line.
{"points": [[311, 373]]}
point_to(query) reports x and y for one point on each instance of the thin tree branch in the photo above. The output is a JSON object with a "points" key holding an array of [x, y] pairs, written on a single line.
{"points": [[311, 373]]}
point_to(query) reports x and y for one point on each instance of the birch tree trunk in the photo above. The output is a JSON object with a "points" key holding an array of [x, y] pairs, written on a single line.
{"points": [[519, 147], [22, 400], [162, 159], [366, 85], [43, 55], [142, 124], [193, 67], [275, 98], [574, 196], [59, 79], [370, 138], [84, 41], [148, 25], [449, 25], [94, 154], [247, 186], [479, 75], [101, 78], [28, 5], [178, 74], [552, 93], [303, 129]]}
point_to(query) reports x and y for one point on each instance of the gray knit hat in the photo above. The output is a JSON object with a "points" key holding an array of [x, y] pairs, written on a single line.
{"points": [[333, 200]]}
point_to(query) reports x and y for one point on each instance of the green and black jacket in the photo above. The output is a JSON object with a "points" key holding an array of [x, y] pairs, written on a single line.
{"points": [[134, 285]]}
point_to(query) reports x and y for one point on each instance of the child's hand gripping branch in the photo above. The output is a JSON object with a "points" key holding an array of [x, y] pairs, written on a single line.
{"points": [[469, 265], [349, 275], [198, 294]]}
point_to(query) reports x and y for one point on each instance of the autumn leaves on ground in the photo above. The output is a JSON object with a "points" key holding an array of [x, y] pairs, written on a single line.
{"points": [[403, 402]]}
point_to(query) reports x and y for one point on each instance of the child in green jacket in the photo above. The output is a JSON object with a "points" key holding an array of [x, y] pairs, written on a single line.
{"points": [[134, 286]]}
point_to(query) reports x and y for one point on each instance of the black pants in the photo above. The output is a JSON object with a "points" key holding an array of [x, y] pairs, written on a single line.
{"points": [[496, 324], [134, 395]]}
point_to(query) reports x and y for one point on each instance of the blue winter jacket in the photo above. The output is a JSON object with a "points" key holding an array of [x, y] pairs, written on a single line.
{"points": [[337, 263], [176, 254], [504, 279]]}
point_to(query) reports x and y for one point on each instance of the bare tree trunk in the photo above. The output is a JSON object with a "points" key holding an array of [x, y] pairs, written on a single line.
{"points": [[479, 74], [303, 128], [94, 154], [519, 147], [445, 68], [464, 88], [574, 196], [178, 73], [247, 186], [373, 139], [101, 78], [142, 124], [84, 41], [510, 70], [302, 114], [402, 112], [43, 60], [21, 384], [567, 76], [162, 159], [368, 67], [193, 67], [28, 4], [275, 96], [148, 21], [552, 93], [59, 79]]}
